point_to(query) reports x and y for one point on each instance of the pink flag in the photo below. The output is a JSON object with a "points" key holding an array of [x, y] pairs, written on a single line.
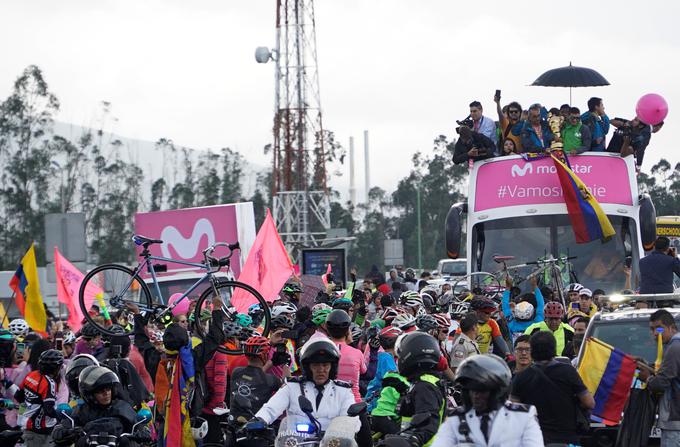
{"points": [[69, 279], [267, 268]]}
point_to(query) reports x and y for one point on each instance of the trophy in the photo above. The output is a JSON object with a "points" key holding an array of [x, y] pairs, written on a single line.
{"points": [[555, 123]]}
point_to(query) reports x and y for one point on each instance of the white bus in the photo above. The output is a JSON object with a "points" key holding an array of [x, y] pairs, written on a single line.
{"points": [[516, 208]]}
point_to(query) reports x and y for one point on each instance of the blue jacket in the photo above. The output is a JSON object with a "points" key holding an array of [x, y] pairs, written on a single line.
{"points": [[599, 128], [386, 364], [530, 140], [521, 326], [656, 272]]}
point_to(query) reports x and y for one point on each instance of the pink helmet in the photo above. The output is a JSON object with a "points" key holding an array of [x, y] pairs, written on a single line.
{"points": [[180, 309], [553, 309]]}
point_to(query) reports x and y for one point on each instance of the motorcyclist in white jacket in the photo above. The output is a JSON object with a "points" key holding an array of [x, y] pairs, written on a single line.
{"points": [[487, 418]]}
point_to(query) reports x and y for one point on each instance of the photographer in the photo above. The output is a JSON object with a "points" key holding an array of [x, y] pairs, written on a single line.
{"points": [[630, 137], [658, 267], [471, 145]]}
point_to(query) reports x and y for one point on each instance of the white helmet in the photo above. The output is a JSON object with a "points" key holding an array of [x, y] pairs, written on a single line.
{"points": [[573, 287], [411, 298], [321, 306], [199, 428], [524, 311], [283, 308], [404, 321], [18, 327]]}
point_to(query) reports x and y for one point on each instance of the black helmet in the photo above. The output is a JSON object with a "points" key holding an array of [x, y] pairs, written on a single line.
{"points": [[337, 323], [319, 350], [426, 323], [89, 330], [50, 361], [322, 297], [231, 329], [291, 289], [75, 367], [484, 372], [281, 321], [418, 352], [95, 378]]}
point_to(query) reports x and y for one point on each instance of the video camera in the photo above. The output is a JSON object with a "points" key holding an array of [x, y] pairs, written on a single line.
{"points": [[467, 122]]}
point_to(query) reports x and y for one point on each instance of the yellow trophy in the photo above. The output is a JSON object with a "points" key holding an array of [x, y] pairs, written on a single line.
{"points": [[555, 123]]}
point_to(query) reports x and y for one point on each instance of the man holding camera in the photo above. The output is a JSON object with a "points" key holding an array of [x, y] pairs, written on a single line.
{"points": [[630, 137], [471, 145], [658, 267]]}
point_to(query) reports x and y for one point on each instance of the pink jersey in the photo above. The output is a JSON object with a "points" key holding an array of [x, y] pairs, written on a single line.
{"points": [[351, 365]]}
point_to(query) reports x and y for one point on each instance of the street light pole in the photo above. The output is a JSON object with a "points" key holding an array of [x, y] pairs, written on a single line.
{"points": [[420, 229]]}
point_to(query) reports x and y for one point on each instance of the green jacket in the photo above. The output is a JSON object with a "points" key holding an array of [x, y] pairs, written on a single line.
{"points": [[563, 334], [394, 386], [576, 139]]}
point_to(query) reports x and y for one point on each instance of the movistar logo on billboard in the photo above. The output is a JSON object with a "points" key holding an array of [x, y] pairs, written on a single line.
{"points": [[518, 171]]}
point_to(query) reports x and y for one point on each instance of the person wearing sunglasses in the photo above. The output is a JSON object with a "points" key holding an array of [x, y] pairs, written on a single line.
{"points": [[575, 136], [509, 118]]}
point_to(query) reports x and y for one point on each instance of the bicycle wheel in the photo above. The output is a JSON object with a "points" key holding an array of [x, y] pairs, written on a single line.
{"points": [[111, 287], [226, 290], [479, 283]]}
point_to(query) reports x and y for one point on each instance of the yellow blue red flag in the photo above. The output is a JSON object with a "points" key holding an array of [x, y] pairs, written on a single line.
{"points": [[26, 287]]}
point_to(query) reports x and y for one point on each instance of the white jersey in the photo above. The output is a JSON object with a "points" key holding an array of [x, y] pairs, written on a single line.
{"points": [[513, 425], [336, 400]]}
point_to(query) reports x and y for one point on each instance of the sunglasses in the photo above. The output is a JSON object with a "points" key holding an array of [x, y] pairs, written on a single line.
{"points": [[513, 111]]}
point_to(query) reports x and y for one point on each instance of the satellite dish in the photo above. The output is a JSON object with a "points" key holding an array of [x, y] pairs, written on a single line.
{"points": [[262, 55]]}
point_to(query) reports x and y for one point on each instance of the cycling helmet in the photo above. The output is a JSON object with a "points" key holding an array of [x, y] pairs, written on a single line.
{"points": [[256, 313], [445, 300], [89, 331], [420, 312], [553, 309], [410, 298], [484, 304], [283, 309], [443, 321], [573, 287], [428, 299], [319, 317], [458, 309], [320, 306], [291, 289], [243, 320], [75, 367], [404, 321], [257, 346], [484, 372], [388, 337], [319, 350], [95, 378], [344, 304], [69, 338], [6, 348], [356, 332], [337, 323], [418, 352], [426, 323], [524, 311], [199, 428], [18, 327], [389, 314], [232, 329], [282, 322]]}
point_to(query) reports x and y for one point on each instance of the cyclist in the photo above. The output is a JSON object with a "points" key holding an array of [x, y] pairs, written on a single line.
{"points": [[293, 292], [386, 362], [102, 411], [583, 308], [90, 341], [412, 301], [19, 328], [488, 332], [329, 397], [486, 418], [554, 312], [38, 393], [351, 364], [522, 316], [418, 356], [7, 387]]}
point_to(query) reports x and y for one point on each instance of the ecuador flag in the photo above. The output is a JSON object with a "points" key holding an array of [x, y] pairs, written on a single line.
{"points": [[607, 372], [26, 287], [587, 218]]}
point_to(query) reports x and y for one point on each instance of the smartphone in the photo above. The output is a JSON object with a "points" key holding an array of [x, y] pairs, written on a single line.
{"points": [[498, 94], [58, 344], [281, 347], [575, 305], [289, 334], [21, 347]]}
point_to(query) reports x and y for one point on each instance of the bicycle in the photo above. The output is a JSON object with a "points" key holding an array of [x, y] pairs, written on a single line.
{"points": [[115, 286]]}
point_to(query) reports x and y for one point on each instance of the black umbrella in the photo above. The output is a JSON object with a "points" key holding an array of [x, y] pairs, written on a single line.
{"points": [[571, 76]]}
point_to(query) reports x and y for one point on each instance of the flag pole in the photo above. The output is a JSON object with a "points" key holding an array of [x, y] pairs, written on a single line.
{"points": [[9, 306]]}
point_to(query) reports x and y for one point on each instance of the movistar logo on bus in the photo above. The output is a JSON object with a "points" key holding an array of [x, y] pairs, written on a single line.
{"points": [[518, 171]]}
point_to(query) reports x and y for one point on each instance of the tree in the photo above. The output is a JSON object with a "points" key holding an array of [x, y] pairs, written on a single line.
{"points": [[232, 171]]}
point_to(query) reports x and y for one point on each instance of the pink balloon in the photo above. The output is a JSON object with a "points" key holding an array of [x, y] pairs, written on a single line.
{"points": [[651, 109], [182, 308]]}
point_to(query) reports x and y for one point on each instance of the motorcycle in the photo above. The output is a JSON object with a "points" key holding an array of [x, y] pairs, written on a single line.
{"points": [[396, 440], [97, 433]]}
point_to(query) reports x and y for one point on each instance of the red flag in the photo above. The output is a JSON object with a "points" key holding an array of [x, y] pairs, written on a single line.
{"points": [[267, 268], [69, 279]]}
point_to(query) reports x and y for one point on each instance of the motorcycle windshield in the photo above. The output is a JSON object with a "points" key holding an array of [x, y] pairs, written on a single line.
{"points": [[289, 436], [341, 432]]}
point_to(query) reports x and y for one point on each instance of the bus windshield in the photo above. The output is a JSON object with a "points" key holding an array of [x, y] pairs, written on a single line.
{"points": [[529, 238]]}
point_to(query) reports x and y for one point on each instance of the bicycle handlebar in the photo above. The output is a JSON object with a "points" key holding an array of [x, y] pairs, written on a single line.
{"points": [[551, 260], [223, 261]]}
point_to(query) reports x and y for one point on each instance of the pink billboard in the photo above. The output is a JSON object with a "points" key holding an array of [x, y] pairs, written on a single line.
{"points": [[187, 232], [514, 181]]}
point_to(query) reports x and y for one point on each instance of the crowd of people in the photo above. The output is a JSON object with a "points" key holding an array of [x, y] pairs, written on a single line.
{"points": [[484, 372], [532, 130]]}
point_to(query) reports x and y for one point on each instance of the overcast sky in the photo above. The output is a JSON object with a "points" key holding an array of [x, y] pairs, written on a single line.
{"points": [[404, 70]]}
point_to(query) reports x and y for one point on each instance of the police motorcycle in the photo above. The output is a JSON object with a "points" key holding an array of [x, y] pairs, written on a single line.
{"points": [[397, 440], [98, 433], [298, 431]]}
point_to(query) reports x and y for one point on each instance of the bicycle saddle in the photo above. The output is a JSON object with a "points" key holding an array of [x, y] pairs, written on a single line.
{"points": [[501, 258], [145, 241]]}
